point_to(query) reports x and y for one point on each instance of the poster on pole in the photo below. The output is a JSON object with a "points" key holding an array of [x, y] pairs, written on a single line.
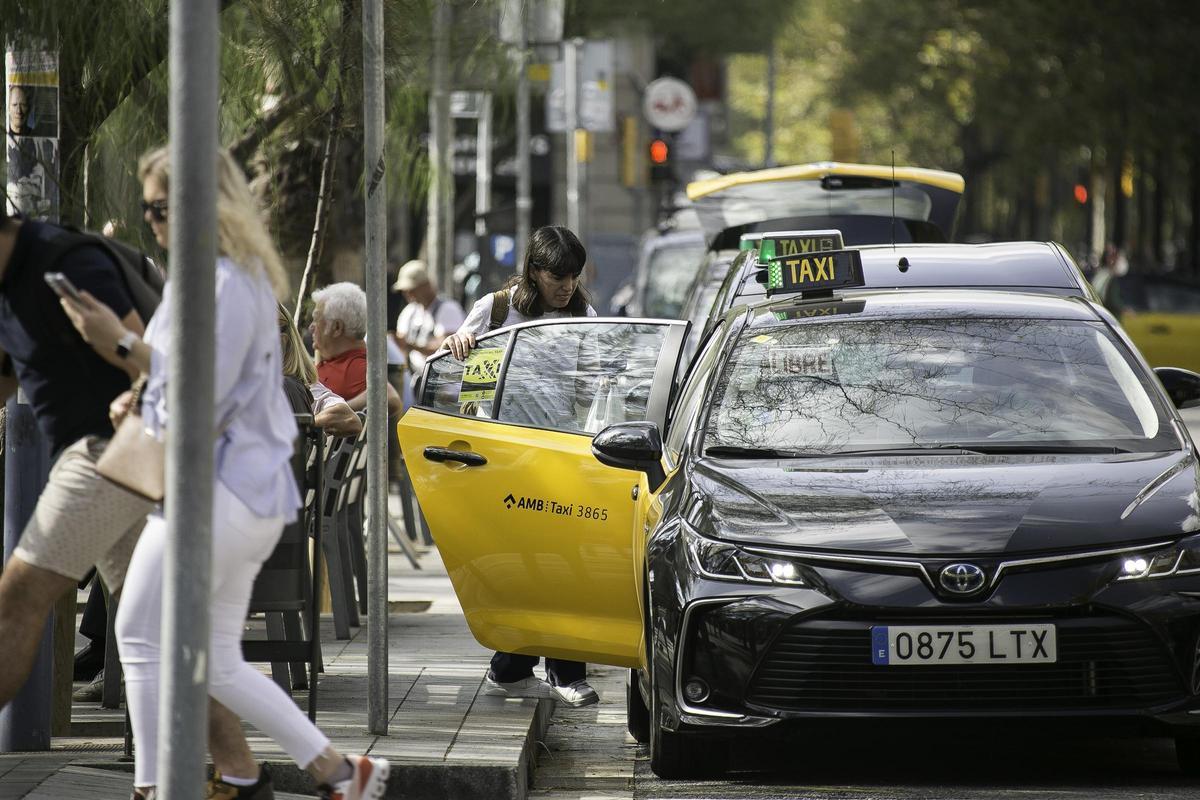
{"points": [[543, 21], [597, 103], [31, 133]]}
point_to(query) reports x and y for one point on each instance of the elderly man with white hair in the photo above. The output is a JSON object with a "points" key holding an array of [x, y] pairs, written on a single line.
{"points": [[339, 329]]}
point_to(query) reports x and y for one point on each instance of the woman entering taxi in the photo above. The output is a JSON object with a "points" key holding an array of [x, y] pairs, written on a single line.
{"points": [[548, 287]]}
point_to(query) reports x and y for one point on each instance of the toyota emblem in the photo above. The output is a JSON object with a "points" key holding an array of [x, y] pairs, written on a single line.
{"points": [[962, 578]]}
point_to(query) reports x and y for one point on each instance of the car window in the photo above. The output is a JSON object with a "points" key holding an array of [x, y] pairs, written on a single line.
{"points": [[467, 388], [669, 274], [691, 396], [829, 387], [580, 377], [1172, 298], [1128, 294]]}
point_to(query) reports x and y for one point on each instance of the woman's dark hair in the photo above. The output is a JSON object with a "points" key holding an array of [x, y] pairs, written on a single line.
{"points": [[557, 250]]}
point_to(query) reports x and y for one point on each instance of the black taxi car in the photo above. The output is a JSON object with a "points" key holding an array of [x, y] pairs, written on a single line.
{"points": [[1042, 267], [922, 503]]}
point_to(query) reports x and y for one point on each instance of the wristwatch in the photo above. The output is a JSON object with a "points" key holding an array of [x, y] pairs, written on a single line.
{"points": [[125, 343]]}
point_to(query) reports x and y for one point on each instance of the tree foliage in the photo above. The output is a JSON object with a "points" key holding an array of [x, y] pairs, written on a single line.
{"points": [[285, 65], [1023, 97]]}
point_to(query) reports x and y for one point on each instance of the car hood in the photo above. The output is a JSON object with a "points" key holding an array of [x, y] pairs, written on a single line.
{"points": [[947, 505]]}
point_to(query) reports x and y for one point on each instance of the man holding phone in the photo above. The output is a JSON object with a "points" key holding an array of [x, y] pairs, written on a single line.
{"points": [[80, 520]]}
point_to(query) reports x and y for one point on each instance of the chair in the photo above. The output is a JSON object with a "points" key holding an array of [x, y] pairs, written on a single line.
{"points": [[287, 588], [336, 493]]}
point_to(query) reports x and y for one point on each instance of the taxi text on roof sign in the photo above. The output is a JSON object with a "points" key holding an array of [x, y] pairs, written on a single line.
{"points": [[786, 243], [812, 272]]}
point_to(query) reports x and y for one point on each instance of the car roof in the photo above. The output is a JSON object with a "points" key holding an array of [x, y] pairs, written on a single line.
{"points": [[999, 265], [924, 304]]}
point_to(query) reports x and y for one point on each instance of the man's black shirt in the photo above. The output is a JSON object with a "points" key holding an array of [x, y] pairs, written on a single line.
{"points": [[68, 386]]}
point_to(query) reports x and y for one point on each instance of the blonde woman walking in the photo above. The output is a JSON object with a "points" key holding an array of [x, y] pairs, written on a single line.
{"points": [[254, 494]]}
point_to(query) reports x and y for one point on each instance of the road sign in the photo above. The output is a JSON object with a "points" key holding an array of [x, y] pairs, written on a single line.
{"points": [[465, 105], [669, 104]]}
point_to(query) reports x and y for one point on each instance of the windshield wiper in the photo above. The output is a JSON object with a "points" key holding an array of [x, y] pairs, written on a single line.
{"points": [[1048, 448], [937, 449], [733, 451]]}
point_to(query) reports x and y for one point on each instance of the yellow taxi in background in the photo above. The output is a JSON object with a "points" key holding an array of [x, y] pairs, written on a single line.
{"points": [[1160, 314]]}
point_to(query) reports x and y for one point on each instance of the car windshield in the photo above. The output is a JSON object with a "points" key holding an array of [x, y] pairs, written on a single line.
{"points": [[998, 385], [669, 274]]}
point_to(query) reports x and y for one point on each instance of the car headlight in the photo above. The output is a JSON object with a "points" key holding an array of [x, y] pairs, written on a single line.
{"points": [[726, 562], [1181, 558]]}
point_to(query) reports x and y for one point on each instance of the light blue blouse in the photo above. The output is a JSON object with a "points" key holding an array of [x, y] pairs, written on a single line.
{"points": [[253, 453]]}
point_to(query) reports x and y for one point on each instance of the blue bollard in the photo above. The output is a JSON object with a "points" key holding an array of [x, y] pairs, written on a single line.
{"points": [[25, 722]]}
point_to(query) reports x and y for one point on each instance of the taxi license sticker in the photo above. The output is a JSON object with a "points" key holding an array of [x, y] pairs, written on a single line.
{"points": [[480, 372], [806, 362]]}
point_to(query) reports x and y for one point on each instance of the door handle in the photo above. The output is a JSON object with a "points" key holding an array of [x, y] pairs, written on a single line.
{"points": [[1161, 330], [462, 456]]}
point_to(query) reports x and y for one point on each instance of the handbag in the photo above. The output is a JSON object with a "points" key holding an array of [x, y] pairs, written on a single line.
{"points": [[134, 459]]}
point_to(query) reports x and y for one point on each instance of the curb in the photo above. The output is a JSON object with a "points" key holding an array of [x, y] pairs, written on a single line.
{"points": [[412, 780]]}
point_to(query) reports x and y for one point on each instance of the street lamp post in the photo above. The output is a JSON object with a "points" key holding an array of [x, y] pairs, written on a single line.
{"points": [[377, 414], [183, 706], [524, 170]]}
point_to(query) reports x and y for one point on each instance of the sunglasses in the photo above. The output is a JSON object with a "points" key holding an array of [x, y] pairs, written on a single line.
{"points": [[156, 209]]}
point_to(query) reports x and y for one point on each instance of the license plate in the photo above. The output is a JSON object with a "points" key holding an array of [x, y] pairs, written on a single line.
{"points": [[893, 645]]}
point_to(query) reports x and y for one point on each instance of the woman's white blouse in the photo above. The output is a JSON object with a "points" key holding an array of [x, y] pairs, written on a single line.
{"points": [[253, 453]]}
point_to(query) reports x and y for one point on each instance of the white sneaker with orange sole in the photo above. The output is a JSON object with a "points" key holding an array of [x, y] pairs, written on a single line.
{"points": [[368, 781]]}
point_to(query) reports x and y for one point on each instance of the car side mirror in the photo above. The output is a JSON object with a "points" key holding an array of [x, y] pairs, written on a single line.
{"points": [[1182, 385], [632, 445]]}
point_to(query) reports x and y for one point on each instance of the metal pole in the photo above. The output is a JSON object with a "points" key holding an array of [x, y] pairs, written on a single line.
{"points": [[183, 705], [769, 117], [571, 51], [483, 164], [524, 168], [25, 721], [377, 415], [439, 147]]}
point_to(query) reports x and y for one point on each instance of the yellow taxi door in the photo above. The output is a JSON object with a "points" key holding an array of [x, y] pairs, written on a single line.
{"points": [[1162, 317], [540, 538]]}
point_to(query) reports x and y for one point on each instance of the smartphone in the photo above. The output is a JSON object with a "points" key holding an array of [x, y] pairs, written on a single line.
{"points": [[62, 285]]}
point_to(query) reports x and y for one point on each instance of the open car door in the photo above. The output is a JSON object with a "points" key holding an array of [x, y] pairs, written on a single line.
{"points": [[542, 542]]}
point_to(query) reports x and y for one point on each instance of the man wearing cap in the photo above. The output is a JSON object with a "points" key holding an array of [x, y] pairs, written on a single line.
{"points": [[428, 318]]}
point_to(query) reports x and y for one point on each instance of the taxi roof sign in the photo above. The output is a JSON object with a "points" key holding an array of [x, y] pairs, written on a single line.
{"points": [[814, 272], [790, 243], [749, 241]]}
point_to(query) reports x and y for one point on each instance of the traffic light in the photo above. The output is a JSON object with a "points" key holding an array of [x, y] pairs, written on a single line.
{"points": [[1081, 194], [661, 169]]}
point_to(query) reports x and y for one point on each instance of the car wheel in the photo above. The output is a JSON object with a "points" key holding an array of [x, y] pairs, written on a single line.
{"points": [[1187, 753], [637, 716]]}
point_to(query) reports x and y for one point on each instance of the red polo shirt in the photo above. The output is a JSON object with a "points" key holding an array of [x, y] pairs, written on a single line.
{"points": [[347, 374]]}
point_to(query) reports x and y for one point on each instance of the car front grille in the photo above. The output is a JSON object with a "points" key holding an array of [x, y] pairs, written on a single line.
{"points": [[1103, 663]]}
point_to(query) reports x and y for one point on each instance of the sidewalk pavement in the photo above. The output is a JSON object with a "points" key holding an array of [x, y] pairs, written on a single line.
{"points": [[444, 740]]}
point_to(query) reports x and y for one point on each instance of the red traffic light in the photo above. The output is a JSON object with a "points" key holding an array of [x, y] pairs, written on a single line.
{"points": [[1081, 193], [659, 151]]}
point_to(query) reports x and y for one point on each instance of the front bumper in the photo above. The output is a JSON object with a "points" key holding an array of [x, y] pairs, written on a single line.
{"points": [[1128, 651]]}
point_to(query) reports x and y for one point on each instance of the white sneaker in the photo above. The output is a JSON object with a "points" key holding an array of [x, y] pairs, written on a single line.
{"points": [[532, 686], [576, 694], [368, 781]]}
